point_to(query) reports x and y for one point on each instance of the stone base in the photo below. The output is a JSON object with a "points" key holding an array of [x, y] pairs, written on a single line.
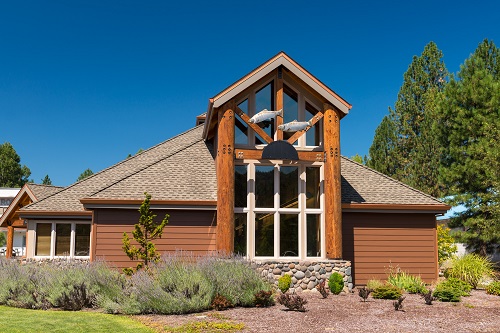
{"points": [[306, 275]]}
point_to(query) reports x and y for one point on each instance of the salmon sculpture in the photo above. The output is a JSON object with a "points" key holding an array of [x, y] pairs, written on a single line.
{"points": [[294, 126], [265, 115]]}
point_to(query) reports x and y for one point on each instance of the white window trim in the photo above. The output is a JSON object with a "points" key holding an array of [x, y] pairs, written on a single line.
{"points": [[32, 238], [302, 211]]}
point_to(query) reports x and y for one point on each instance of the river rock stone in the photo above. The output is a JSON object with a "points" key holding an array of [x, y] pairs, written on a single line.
{"points": [[299, 275]]}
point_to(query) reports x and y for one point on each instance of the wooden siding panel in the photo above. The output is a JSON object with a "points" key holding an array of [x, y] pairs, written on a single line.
{"points": [[189, 231], [376, 242]]}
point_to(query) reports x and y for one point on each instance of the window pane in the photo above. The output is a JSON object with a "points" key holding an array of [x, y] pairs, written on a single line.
{"points": [[313, 134], [289, 235], [241, 129], [289, 187], [63, 239], [42, 247], [82, 240], [290, 109], [240, 186], [264, 99], [313, 236], [312, 187], [240, 234], [264, 186], [264, 235]]}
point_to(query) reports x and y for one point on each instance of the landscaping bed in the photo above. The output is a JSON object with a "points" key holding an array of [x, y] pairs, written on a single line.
{"points": [[479, 312]]}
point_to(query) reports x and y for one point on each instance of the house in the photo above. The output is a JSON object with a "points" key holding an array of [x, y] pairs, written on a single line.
{"points": [[12, 200], [275, 190]]}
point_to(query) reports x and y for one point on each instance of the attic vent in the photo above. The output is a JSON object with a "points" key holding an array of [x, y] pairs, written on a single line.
{"points": [[280, 150]]}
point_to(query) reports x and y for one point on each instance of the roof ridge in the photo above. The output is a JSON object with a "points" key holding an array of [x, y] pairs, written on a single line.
{"points": [[116, 164], [147, 166], [392, 179]]}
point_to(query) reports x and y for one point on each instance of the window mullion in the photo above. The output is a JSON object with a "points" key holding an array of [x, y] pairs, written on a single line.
{"points": [[53, 240], [276, 214]]}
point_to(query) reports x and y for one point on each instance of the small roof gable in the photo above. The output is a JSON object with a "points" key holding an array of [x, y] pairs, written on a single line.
{"points": [[28, 194], [166, 171], [281, 59]]}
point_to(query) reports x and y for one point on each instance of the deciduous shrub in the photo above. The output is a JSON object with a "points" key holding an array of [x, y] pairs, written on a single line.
{"points": [[321, 288], [220, 303], [470, 268], [428, 297], [284, 283], [336, 283], [446, 244], [493, 288], [364, 293], [387, 291], [451, 290], [264, 298], [292, 302]]}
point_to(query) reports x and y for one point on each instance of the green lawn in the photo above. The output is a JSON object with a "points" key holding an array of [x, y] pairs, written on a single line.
{"points": [[27, 321]]}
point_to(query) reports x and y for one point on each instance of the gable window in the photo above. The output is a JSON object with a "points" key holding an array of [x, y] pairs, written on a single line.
{"points": [[280, 210], [62, 239]]}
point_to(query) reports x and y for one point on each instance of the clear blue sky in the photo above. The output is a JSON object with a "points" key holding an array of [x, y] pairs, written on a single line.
{"points": [[85, 83]]}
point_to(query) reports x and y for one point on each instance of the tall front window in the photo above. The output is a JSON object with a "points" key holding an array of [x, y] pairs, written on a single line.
{"points": [[62, 239], [282, 211]]}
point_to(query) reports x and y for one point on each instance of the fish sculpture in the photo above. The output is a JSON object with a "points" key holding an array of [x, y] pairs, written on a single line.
{"points": [[294, 126], [265, 115]]}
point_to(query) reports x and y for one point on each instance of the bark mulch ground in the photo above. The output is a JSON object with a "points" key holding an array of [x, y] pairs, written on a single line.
{"points": [[347, 313]]}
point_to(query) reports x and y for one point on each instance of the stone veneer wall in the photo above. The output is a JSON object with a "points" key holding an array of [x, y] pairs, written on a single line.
{"points": [[305, 274]]}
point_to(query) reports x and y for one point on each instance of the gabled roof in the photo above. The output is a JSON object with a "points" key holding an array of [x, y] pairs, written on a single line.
{"points": [[27, 194], [281, 59], [166, 171]]}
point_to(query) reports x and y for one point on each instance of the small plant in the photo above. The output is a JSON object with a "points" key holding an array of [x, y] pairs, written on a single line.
{"points": [[206, 326], [374, 284], [264, 298], [284, 283], [321, 288], [76, 299], [493, 288], [336, 283], [387, 292], [220, 303], [448, 292], [428, 297], [292, 302], [460, 285], [364, 293], [410, 283], [398, 304], [470, 268], [470, 306]]}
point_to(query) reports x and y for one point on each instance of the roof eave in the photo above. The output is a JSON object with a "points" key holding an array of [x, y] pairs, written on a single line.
{"points": [[423, 208]]}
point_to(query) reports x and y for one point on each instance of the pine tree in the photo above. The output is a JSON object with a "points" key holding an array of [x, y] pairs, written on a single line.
{"points": [[46, 180], [471, 157], [12, 173], [85, 174], [405, 146], [145, 232]]}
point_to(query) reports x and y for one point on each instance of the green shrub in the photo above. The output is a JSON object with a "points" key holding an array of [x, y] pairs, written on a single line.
{"points": [[470, 268], [493, 288], [451, 290], [374, 284], [336, 283], [446, 244], [387, 291], [410, 283], [284, 283]]}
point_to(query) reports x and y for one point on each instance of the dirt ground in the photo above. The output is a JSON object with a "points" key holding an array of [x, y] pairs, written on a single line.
{"points": [[347, 313]]}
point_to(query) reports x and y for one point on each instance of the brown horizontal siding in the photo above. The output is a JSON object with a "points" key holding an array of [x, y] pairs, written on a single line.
{"points": [[189, 231], [376, 242]]}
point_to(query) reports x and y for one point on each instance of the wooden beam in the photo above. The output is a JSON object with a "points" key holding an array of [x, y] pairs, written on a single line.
{"points": [[255, 127], [317, 117], [225, 178], [333, 199], [279, 102], [256, 154], [10, 241]]}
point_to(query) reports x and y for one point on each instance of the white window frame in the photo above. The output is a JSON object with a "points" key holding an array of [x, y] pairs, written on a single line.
{"points": [[53, 236], [302, 211]]}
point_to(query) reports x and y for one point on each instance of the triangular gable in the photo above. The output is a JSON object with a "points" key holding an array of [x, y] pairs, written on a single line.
{"points": [[281, 59]]}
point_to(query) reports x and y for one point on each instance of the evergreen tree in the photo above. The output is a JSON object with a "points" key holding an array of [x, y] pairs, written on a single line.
{"points": [[405, 145], [358, 158], [471, 157], [12, 173], [144, 233], [85, 174], [46, 180]]}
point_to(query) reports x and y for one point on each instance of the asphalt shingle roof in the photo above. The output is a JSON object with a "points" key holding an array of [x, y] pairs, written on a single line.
{"points": [[42, 191], [183, 169]]}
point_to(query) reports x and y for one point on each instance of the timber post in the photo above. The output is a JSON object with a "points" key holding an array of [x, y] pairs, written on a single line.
{"points": [[332, 176], [10, 240], [225, 178]]}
